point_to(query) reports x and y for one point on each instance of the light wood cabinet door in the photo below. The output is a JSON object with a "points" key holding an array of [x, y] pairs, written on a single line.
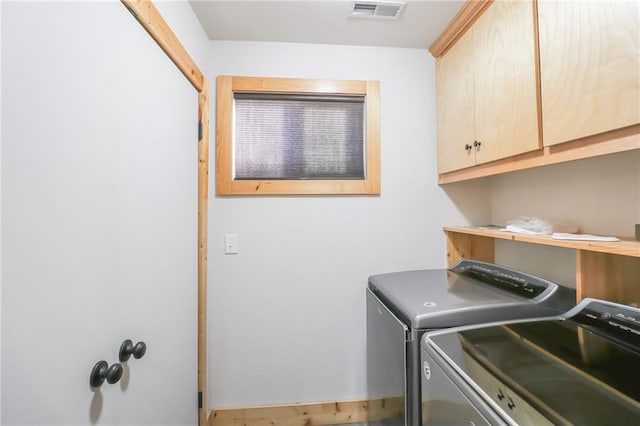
{"points": [[505, 81], [487, 90], [590, 67], [455, 106]]}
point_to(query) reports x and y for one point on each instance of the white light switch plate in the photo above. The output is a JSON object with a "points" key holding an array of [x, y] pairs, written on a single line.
{"points": [[230, 243]]}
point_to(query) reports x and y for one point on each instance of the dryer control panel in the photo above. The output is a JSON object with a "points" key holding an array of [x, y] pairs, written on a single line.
{"points": [[618, 322]]}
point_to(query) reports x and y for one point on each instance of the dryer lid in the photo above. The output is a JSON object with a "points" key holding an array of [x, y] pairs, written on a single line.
{"points": [[581, 370]]}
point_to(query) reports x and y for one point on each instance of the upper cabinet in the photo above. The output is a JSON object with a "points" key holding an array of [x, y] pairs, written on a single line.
{"points": [[455, 107], [589, 67], [516, 78], [487, 90], [505, 81]]}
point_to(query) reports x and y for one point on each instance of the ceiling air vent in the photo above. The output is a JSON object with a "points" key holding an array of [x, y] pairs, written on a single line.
{"points": [[377, 9]]}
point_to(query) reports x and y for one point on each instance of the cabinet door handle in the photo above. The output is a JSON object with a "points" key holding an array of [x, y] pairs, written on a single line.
{"points": [[500, 395], [477, 143], [511, 404], [467, 147]]}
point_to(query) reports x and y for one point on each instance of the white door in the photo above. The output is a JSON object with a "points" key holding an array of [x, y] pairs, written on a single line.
{"points": [[99, 219]]}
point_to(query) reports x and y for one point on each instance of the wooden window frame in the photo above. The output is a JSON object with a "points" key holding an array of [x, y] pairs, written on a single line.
{"points": [[226, 185]]}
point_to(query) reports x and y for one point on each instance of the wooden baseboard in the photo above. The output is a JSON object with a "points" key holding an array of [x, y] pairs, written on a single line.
{"points": [[322, 413]]}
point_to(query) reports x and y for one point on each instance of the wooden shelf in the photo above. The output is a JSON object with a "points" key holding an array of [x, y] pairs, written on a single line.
{"points": [[604, 270], [624, 247]]}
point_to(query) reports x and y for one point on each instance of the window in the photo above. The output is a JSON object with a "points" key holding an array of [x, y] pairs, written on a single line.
{"points": [[297, 136]]}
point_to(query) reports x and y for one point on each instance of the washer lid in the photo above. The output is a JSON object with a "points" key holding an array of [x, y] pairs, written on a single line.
{"points": [[438, 298], [429, 299]]}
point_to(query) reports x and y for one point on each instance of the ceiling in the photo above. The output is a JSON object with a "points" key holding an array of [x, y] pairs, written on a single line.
{"points": [[325, 22]]}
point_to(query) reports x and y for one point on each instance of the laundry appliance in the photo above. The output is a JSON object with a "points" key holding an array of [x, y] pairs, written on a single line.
{"points": [[580, 368], [402, 306]]}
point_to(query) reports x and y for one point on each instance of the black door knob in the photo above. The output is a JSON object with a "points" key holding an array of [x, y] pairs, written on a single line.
{"points": [[102, 371], [127, 349], [477, 143], [467, 147]]}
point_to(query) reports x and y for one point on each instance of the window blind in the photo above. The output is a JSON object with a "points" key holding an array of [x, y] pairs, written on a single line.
{"points": [[291, 136]]}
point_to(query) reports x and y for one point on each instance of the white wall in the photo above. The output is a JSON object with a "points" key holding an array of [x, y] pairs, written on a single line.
{"points": [[601, 195], [287, 314]]}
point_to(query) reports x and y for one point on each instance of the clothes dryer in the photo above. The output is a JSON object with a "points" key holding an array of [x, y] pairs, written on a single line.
{"points": [[579, 368]]}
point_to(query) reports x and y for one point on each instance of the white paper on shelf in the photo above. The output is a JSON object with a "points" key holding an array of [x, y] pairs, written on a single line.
{"points": [[582, 237], [518, 230]]}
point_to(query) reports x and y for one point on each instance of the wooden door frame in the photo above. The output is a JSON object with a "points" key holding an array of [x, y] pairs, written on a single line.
{"points": [[148, 16]]}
